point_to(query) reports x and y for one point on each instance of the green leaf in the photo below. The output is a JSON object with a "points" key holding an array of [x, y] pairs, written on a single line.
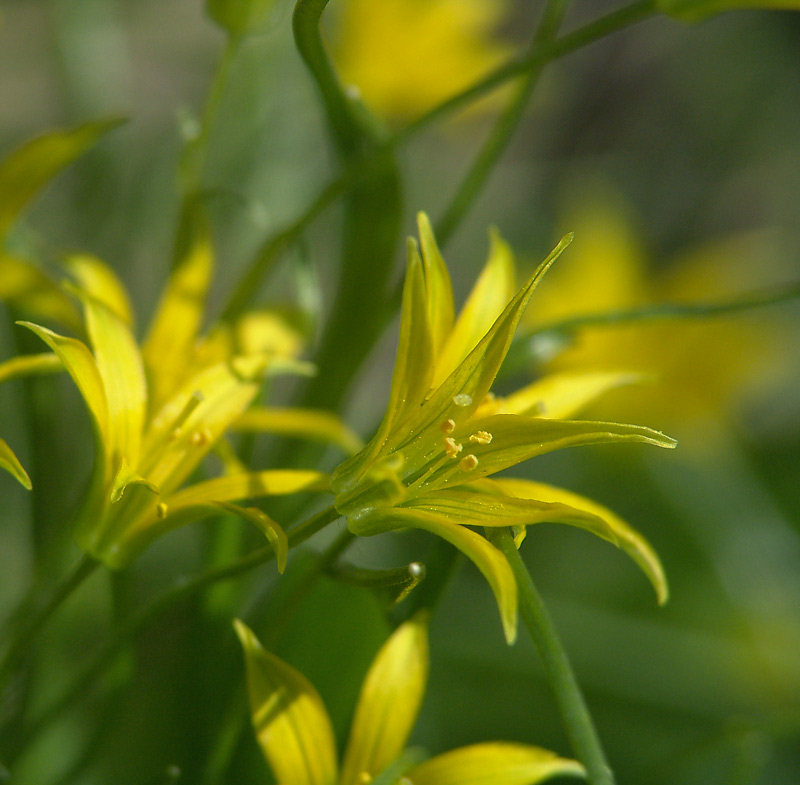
{"points": [[240, 17], [494, 763], [30, 167], [485, 556], [389, 702], [289, 718], [11, 464]]}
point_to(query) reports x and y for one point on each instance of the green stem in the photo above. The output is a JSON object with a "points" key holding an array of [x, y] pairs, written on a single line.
{"points": [[478, 174], [572, 706], [40, 612], [180, 591], [538, 57]]}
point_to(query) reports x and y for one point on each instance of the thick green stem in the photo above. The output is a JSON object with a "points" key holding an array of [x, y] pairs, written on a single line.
{"points": [[508, 122], [571, 704], [40, 611]]}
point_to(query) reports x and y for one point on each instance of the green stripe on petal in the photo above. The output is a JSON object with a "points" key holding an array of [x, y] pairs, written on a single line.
{"points": [[389, 703], [289, 718], [486, 557], [624, 537], [441, 312], [516, 438], [11, 464], [309, 423], [494, 763], [491, 294]]}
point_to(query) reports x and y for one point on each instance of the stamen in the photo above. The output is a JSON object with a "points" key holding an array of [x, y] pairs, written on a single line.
{"points": [[201, 438], [447, 427], [451, 447], [462, 399], [468, 463], [161, 510], [481, 437]]}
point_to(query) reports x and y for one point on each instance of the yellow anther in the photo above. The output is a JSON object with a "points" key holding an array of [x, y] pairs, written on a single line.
{"points": [[462, 399], [201, 438], [161, 510], [451, 447], [481, 437], [174, 434], [448, 426], [468, 463]]}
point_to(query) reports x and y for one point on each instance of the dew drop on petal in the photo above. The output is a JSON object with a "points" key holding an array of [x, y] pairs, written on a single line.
{"points": [[462, 399]]}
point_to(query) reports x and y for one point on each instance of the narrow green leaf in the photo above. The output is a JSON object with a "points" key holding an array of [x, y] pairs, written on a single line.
{"points": [[697, 10], [494, 763], [289, 718], [30, 167], [389, 702], [268, 527]]}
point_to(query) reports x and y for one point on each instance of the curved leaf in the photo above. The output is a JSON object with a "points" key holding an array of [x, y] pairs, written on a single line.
{"points": [[11, 464]]}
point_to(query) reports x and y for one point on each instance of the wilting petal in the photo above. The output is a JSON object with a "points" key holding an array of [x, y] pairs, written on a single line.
{"points": [[441, 313], [30, 167], [491, 294], [486, 557], [389, 702], [624, 537], [11, 464], [120, 366], [96, 278], [494, 763], [309, 423], [560, 396], [169, 347], [290, 721], [515, 438]]}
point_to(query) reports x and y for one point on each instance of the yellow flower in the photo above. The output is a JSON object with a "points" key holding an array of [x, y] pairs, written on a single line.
{"points": [[295, 733], [158, 410], [406, 56], [444, 432], [696, 367]]}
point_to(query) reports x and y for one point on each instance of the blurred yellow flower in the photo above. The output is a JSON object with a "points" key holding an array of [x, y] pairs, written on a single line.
{"points": [[444, 432], [696, 367], [406, 56], [296, 736]]}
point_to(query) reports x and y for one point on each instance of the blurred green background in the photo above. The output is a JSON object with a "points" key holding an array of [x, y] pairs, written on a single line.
{"points": [[678, 149]]}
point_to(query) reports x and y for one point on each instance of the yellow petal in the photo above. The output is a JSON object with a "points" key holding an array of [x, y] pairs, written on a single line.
{"points": [[11, 464], [441, 313], [169, 347], [624, 537], [486, 557], [289, 718], [309, 423], [30, 167], [120, 366], [487, 300], [28, 365], [27, 288], [494, 763], [516, 438], [563, 395], [389, 702], [96, 278], [81, 366], [268, 527]]}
